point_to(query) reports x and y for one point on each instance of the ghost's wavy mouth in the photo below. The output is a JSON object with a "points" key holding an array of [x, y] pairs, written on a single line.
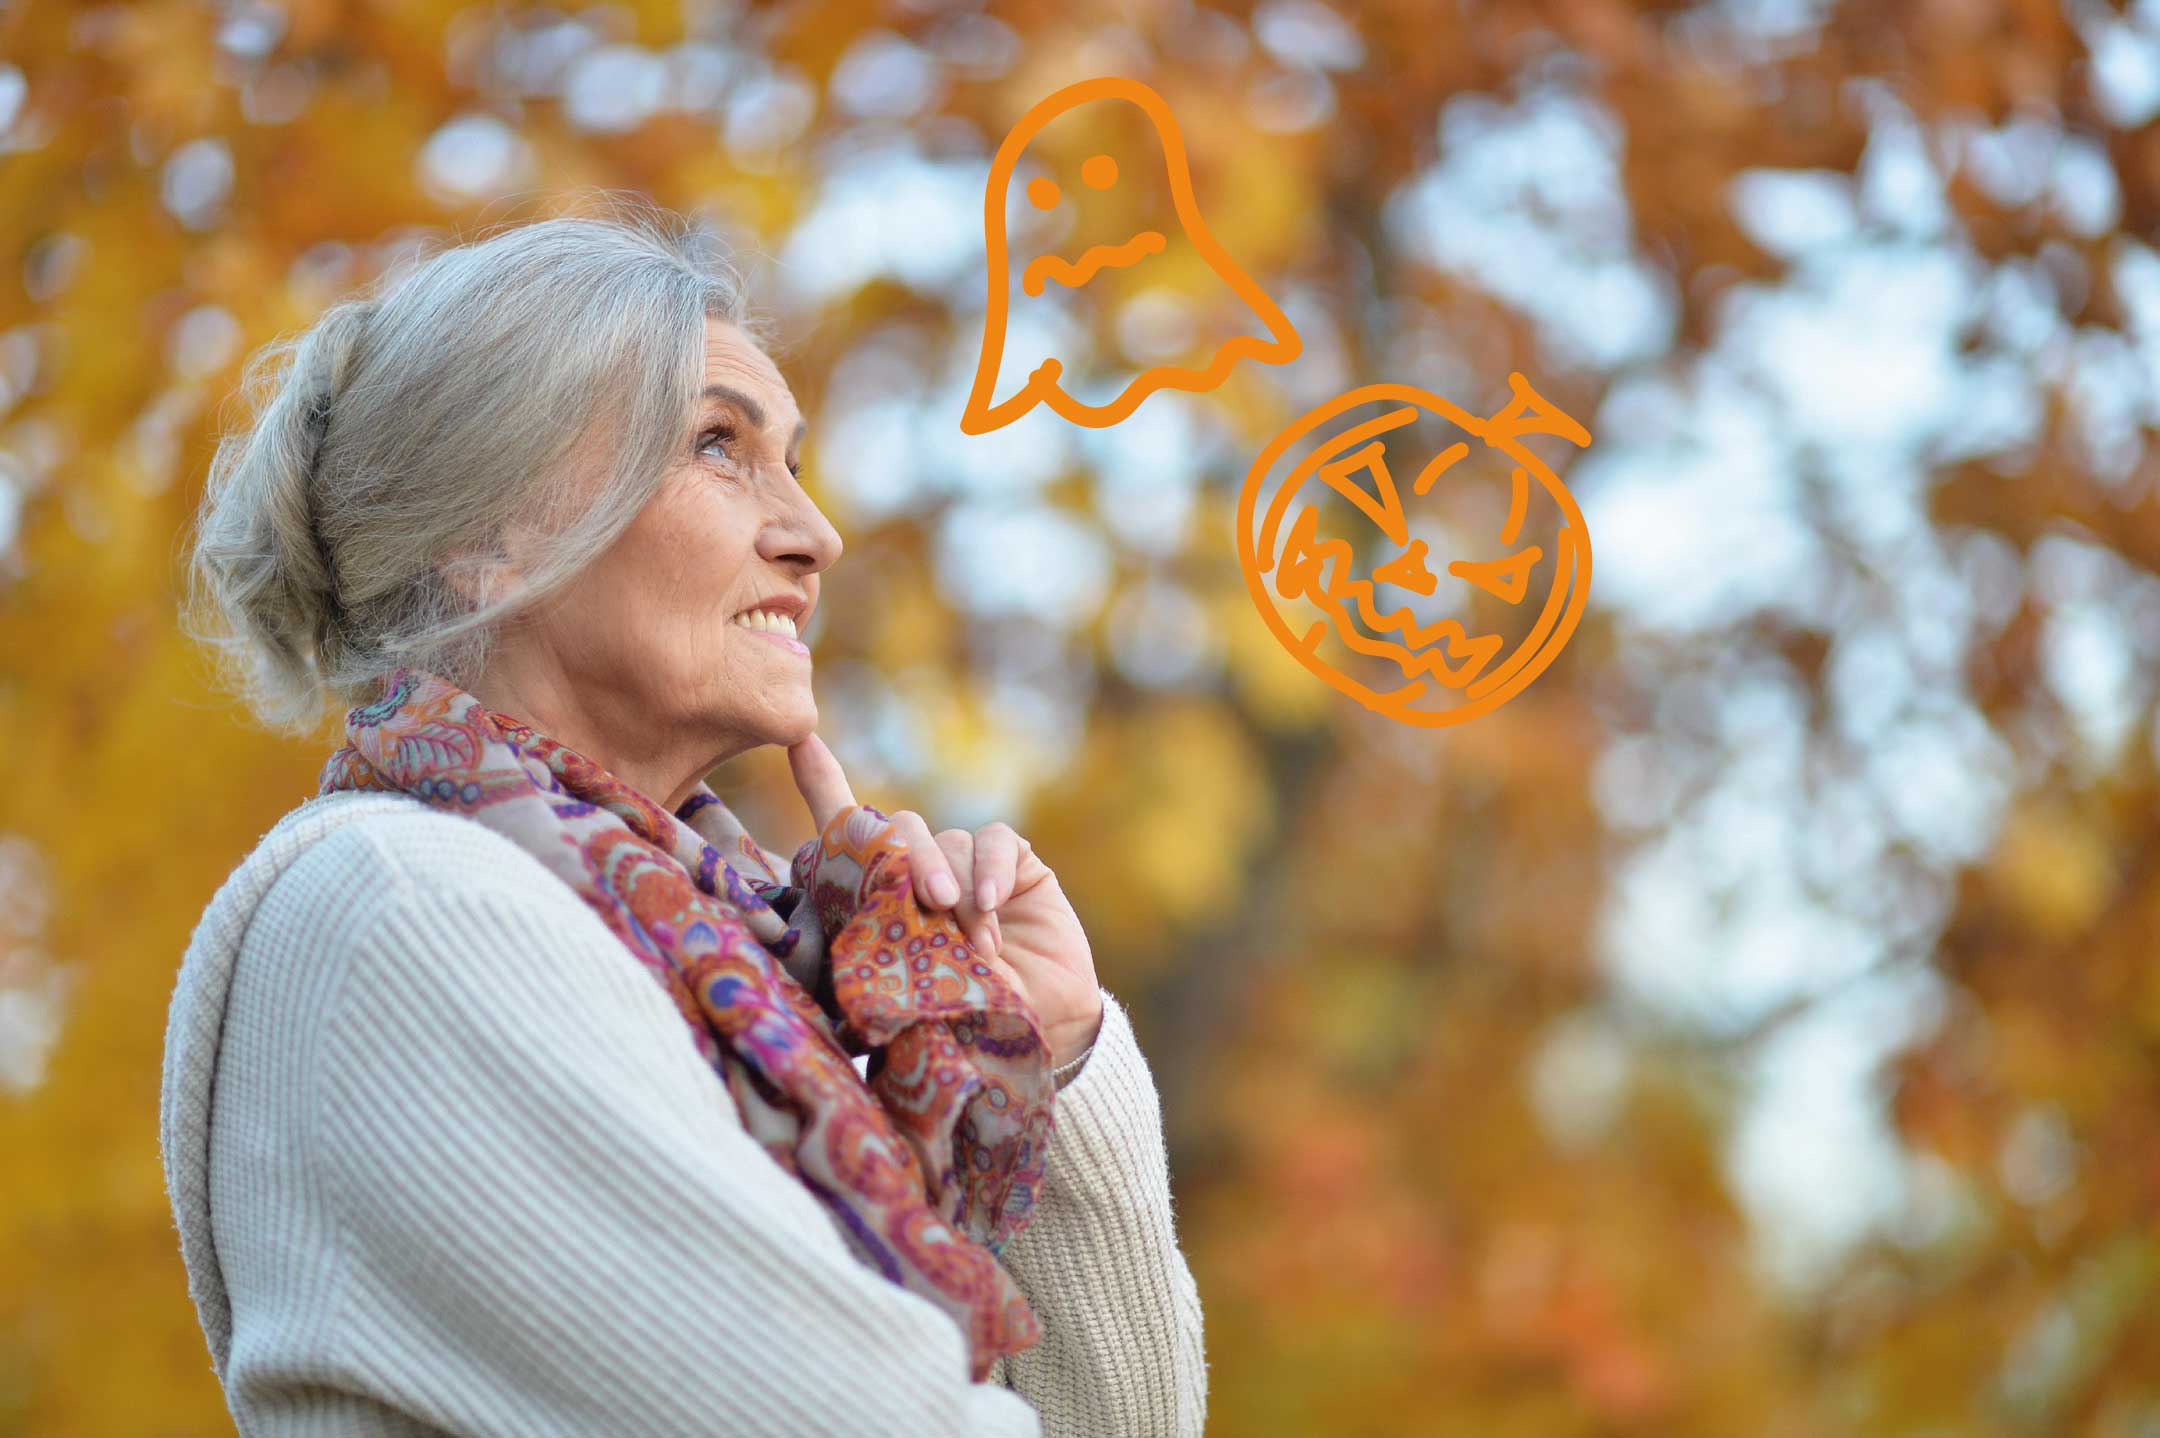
{"points": [[1096, 258]]}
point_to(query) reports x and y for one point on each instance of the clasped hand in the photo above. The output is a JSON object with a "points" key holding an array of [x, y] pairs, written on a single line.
{"points": [[1005, 898]]}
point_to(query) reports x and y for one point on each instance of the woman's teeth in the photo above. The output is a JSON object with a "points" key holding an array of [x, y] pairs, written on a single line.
{"points": [[768, 619]]}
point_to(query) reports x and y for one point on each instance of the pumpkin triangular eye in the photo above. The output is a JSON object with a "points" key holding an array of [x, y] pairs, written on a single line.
{"points": [[1509, 578], [1381, 504], [1408, 570]]}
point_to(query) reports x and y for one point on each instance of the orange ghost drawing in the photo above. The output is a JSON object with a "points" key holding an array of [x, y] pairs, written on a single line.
{"points": [[1390, 661], [1102, 172]]}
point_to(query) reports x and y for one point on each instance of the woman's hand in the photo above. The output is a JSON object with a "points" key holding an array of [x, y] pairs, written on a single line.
{"points": [[1004, 897]]}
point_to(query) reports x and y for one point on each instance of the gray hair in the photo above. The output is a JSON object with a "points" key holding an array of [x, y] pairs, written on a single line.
{"points": [[539, 380]]}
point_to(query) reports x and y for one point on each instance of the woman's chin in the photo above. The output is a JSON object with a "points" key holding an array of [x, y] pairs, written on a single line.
{"points": [[792, 722], [761, 708]]}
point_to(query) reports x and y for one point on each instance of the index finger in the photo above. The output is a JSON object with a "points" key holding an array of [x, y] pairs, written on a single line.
{"points": [[820, 780]]}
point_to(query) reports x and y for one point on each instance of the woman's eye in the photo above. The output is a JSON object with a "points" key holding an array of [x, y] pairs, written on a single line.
{"points": [[719, 443]]}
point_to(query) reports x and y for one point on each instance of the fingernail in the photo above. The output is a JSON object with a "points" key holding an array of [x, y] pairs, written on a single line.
{"points": [[985, 895], [945, 890]]}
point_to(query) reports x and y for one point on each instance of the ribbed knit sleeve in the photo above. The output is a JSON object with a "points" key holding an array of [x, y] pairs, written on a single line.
{"points": [[1122, 1349], [553, 1222]]}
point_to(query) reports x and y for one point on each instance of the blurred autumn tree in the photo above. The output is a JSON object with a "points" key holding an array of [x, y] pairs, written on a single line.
{"points": [[1752, 1028]]}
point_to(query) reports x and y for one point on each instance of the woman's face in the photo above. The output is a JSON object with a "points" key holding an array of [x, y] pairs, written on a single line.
{"points": [[678, 647]]}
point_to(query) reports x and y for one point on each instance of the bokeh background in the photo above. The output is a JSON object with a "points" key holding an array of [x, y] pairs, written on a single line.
{"points": [[1753, 1028]]}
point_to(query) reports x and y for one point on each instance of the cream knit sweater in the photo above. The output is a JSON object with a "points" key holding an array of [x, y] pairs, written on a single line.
{"points": [[443, 1159]]}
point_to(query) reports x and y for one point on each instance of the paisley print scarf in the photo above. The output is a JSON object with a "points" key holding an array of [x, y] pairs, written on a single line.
{"points": [[931, 1165]]}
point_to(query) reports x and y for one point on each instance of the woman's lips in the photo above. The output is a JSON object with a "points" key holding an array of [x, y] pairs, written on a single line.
{"points": [[786, 641], [773, 624]]}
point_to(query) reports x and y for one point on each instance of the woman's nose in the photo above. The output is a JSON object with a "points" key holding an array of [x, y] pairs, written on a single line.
{"points": [[803, 537]]}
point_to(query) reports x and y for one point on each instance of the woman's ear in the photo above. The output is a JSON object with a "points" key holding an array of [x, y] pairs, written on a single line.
{"points": [[481, 574]]}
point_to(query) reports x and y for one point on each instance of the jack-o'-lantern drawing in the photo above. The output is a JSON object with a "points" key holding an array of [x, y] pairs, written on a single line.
{"points": [[1422, 560]]}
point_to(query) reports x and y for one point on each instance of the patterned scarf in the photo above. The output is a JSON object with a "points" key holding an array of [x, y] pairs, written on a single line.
{"points": [[931, 1166]]}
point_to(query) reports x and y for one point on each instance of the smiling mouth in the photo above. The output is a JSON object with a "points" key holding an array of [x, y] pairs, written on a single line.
{"points": [[774, 626], [1096, 258], [1369, 633], [768, 621]]}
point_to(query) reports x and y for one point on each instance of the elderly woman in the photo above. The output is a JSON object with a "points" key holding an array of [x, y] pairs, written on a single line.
{"points": [[509, 1086]]}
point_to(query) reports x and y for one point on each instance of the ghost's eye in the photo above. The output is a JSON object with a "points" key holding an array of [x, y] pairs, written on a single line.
{"points": [[1043, 192], [1100, 172]]}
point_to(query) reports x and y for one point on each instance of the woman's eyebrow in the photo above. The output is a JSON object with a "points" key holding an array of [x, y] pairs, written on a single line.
{"points": [[751, 409]]}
